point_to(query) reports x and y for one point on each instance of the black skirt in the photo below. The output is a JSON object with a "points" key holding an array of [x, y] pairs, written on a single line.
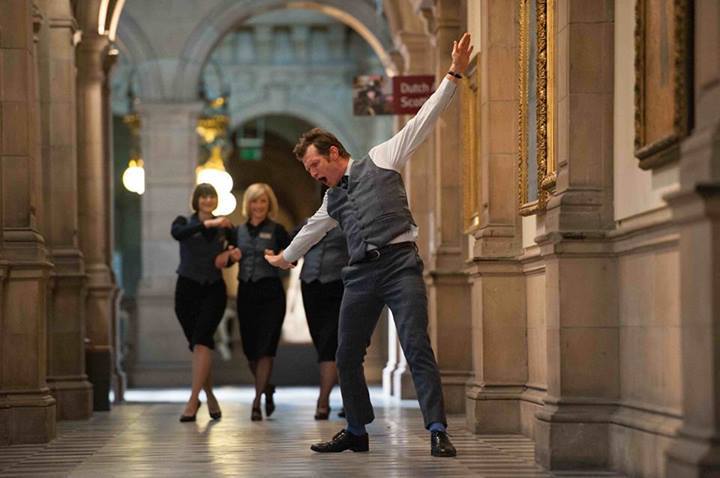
{"points": [[261, 310], [199, 308], [322, 309]]}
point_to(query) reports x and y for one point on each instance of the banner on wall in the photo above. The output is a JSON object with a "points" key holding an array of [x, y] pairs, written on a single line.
{"points": [[400, 95], [411, 92]]}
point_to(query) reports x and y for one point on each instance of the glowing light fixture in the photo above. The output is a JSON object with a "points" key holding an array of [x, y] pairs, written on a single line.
{"points": [[134, 176], [213, 172]]}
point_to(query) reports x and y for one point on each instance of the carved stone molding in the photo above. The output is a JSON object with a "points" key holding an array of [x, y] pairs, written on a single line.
{"points": [[470, 94]]}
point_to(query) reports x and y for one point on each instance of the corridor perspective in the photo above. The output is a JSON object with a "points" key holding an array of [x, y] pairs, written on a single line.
{"points": [[560, 203]]}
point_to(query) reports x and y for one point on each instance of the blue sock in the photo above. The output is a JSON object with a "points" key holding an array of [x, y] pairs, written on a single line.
{"points": [[357, 430], [437, 427]]}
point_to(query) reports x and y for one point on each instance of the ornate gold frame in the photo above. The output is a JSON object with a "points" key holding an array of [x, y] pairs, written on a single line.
{"points": [[666, 149], [546, 166], [547, 169], [470, 98]]}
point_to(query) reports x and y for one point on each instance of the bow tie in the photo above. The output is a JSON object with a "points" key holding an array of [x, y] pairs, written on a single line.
{"points": [[344, 182]]}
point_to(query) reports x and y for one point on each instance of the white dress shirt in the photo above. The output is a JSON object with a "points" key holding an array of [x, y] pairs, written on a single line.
{"points": [[392, 154]]}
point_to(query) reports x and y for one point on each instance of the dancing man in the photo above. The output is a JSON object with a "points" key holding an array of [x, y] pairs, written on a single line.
{"points": [[367, 199]]}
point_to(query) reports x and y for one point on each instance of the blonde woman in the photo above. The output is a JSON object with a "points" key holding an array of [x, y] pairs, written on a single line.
{"points": [[261, 298]]}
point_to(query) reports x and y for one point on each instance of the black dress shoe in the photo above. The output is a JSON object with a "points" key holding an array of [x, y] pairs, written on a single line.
{"points": [[190, 418], [440, 445], [322, 413], [343, 440], [269, 402]]}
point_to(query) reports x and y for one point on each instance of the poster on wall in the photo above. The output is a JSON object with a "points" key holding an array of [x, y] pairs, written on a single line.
{"points": [[400, 95], [372, 95], [411, 92]]}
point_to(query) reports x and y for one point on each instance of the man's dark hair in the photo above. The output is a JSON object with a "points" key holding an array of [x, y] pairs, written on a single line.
{"points": [[322, 139], [202, 190]]}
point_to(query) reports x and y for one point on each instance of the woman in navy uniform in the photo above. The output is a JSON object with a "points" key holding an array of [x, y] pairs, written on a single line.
{"points": [[261, 297], [200, 291], [322, 291]]}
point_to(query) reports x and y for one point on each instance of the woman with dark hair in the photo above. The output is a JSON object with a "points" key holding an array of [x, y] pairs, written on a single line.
{"points": [[261, 297], [200, 295]]}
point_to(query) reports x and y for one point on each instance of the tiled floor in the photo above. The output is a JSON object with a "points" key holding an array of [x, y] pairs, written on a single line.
{"points": [[145, 439]]}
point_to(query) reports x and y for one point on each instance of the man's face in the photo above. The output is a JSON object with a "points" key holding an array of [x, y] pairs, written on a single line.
{"points": [[328, 169]]}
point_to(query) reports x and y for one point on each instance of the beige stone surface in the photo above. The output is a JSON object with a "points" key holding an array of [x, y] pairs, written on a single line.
{"points": [[536, 331]]}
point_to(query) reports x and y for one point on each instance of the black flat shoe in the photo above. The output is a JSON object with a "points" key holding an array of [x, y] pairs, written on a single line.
{"points": [[190, 418], [343, 440], [256, 414], [322, 413], [269, 402], [440, 445]]}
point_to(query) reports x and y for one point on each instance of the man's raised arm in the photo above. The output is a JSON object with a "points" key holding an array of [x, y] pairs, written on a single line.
{"points": [[394, 153]]}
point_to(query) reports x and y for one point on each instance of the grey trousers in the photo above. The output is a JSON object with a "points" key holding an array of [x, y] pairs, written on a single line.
{"points": [[395, 279]]}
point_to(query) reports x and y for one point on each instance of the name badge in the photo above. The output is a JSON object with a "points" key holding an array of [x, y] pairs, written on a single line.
{"points": [[265, 235]]}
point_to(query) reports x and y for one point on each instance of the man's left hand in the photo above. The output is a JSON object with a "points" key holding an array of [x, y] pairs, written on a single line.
{"points": [[461, 54]]}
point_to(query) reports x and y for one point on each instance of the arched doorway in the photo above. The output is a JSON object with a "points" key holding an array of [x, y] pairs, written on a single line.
{"points": [[283, 65]]}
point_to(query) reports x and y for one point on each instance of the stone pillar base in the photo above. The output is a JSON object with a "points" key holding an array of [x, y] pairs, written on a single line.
{"points": [[377, 354], [573, 437], [74, 397], [403, 386], [98, 362], [27, 417], [492, 409], [453, 384], [688, 458]]}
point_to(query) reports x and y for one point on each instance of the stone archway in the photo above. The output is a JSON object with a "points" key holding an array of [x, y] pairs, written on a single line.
{"points": [[310, 112], [358, 15]]}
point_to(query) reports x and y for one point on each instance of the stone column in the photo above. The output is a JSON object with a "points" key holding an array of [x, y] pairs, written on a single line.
{"points": [[27, 409], [170, 146], [94, 212], [696, 210], [572, 428], [499, 329], [448, 290], [66, 315]]}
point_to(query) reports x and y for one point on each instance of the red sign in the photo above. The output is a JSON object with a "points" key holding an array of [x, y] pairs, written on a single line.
{"points": [[410, 92]]}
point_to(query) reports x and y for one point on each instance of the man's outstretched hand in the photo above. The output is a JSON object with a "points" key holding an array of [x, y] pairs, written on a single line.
{"points": [[461, 54], [278, 260]]}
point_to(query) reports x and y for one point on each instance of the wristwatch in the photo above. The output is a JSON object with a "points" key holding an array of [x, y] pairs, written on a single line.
{"points": [[456, 75]]}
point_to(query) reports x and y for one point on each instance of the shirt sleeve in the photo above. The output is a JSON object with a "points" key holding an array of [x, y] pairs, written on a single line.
{"points": [[283, 238], [315, 229], [394, 153], [181, 229]]}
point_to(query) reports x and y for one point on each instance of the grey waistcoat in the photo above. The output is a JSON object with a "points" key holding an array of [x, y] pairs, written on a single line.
{"points": [[253, 265], [326, 258], [372, 210], [197, 256]]}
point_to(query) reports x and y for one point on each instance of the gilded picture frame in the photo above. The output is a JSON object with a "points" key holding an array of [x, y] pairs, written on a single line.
{"points": [[547, 168], [663, 72], [470, 101], [543, 153]]}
